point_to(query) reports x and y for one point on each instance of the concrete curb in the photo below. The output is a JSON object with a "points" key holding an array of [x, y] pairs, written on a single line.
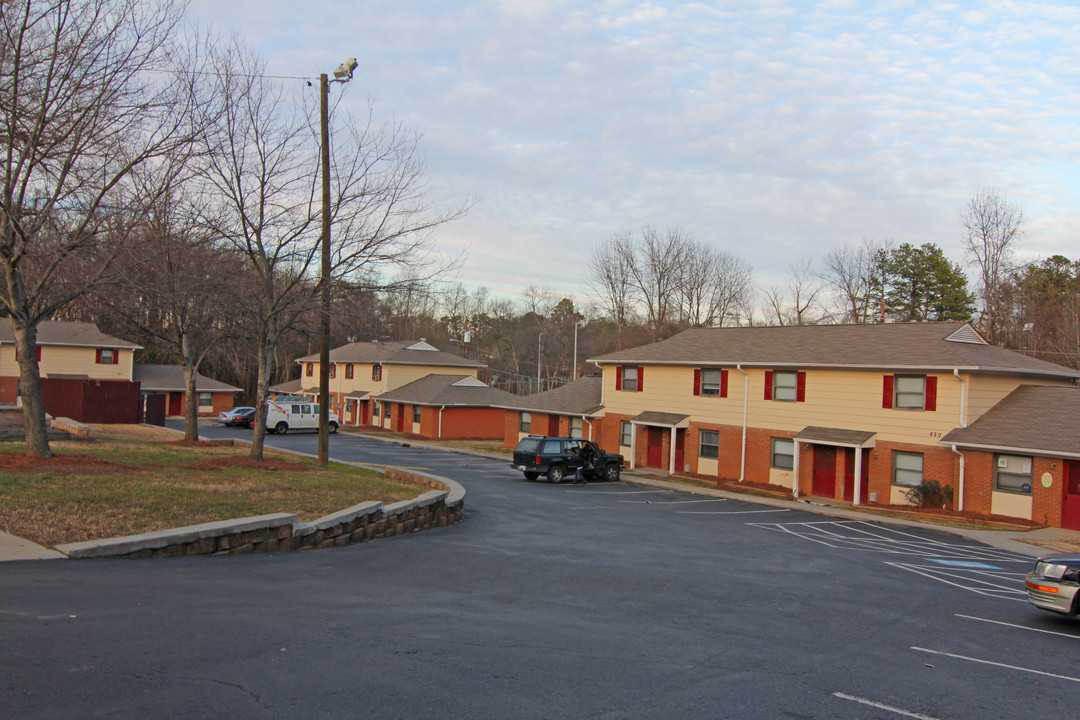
{"points": [[175, 536]]}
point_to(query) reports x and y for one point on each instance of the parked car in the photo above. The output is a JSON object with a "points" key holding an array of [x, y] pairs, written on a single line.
{"points": [[245, 419], [232, 417], [556, 458], [1054, 582], [297, 414]]}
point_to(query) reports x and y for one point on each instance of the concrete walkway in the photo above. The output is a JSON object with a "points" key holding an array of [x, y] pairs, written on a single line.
{"points": [[17, 548]]}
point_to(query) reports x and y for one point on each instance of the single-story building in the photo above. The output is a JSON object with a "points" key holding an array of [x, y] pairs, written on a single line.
{"points": [[168, 380], [444, 406], [572, 410]]}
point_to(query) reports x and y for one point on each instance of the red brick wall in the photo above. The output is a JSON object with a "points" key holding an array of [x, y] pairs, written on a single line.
{"points": [[481, 423], [9, 390], [1045, 502]]}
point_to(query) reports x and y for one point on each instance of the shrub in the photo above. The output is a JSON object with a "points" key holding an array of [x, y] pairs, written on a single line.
{"points": [[930, 494]]}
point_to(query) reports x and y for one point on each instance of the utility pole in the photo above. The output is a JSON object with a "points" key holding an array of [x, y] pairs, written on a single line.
{"points": [[343, 74]]}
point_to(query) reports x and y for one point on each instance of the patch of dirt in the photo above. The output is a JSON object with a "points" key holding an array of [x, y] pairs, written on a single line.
{"points": [[66, 464], [10, 419]]}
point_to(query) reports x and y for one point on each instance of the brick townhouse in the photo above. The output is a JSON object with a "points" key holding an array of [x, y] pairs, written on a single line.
{"points": [[811, 408]]}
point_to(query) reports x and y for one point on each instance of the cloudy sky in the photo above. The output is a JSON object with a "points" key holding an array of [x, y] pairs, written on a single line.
{"points": [[772, 130]]}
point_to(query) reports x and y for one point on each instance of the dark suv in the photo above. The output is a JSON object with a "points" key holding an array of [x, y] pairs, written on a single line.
{"points": [[558, 457]]}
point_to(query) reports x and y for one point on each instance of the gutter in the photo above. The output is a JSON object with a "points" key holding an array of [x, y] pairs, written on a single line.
{"points": [[745, 413], [963, 423]]}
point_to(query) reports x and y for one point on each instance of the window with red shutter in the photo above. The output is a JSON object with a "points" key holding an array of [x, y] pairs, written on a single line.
{"points": [[349, 371], [310, 370], [931, 393]]}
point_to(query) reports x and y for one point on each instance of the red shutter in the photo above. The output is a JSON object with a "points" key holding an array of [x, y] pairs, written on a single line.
{"points": [[931, 392], [640, 378], [37, 352], [800, 387], [98, 361], [697, 381], [768, 384], [115, 357], [618, 377], [723, 383], [887, 392]]}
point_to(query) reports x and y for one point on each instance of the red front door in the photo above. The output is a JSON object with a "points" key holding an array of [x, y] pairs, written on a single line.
{"points": [[553, 425], [656, 448], [176, 401], [401, 418], [824, 484], [1070, 504], [849, 477]]}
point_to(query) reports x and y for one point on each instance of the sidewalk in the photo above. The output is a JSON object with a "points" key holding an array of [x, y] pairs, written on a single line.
{"points": [[16, 548]]}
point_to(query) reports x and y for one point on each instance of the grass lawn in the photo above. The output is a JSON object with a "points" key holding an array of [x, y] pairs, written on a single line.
{"points": [[133, 479]]}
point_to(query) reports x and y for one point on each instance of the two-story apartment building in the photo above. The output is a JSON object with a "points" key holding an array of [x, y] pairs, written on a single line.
{"points": [[573, 410], [812, 408], [362, 371]]}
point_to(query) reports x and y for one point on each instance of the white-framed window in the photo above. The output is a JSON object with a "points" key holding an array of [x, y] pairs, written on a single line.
{"points": [[416, 413], [1012, 473], [907, 468], [576, 427], [525, 422], [376, 409], [105, 356], [909, 392], [626, 433], [206, 399], [783, 454], [785, 385], [711, 382], [710, 444], [629, 378]]}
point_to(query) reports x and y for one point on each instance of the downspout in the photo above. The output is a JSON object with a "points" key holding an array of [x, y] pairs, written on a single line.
{"points": [[745, 411], [441, 408], [963, 423], [587, 421]]}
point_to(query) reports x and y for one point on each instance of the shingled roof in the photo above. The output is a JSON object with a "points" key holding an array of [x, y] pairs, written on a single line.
{"points": [[170, 378], [394, 353], [68, 333], [455, 390], [1039, 419], [581, 397], [894, 346]]}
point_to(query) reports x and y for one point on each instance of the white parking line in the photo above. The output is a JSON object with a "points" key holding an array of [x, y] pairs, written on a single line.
{"points": [[996, 664], [672, 502], [1019, 627], [626, 492], [882, 706], [1000, 585], [729, 512]]}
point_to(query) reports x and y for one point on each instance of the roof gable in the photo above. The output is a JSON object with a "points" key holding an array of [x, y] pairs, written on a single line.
{"points": [[69, 333]]}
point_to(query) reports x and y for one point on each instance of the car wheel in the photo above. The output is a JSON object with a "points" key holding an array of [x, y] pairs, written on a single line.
{"points": [[556, 473], [530, 475], [611, 472], [333, 427], [281, 428]]}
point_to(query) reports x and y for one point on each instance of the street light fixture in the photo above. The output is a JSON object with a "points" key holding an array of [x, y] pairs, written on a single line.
{"points": [[343, 74]]}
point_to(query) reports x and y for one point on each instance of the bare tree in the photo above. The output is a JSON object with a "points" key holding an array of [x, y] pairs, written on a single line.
{"points": [[992, 228], [854, 274], [83, 106], [714, 286], [797, 302], [262, 199], [610, 280]]}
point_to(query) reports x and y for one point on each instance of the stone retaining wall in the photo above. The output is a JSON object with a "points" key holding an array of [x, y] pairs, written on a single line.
{"points": [[282, 531]]}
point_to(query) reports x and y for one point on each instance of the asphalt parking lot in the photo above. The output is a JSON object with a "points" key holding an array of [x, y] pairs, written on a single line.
{"points": [[609, 600]]}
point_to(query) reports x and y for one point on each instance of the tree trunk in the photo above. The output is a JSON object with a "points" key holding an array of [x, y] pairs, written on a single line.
{"points": [[191, 392], [37, 432], [262, 393]]}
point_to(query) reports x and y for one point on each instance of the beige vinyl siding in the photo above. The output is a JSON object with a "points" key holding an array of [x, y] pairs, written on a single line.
{"points": [[83, 361], [398, 375], [847, 399], [985, 391]]}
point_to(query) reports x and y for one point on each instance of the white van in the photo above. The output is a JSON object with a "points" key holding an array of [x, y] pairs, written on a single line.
{"points": [[287, 414]]}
